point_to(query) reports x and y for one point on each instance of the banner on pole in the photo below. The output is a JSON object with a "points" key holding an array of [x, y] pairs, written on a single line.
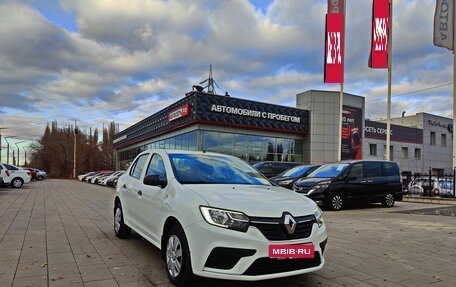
{"points": [[444, 24], [334, 48], [378, 58]]}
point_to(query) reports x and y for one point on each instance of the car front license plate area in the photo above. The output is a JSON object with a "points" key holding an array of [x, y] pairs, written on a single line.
{"points": [[290, 251]]}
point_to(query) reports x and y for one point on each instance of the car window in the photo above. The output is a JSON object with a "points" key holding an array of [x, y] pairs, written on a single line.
{"points": [[266, 168], [138, 166], [390, 169], [356, 171], [329, 170], [10, 167], [202, 169], [372, 169], [156, 166]]}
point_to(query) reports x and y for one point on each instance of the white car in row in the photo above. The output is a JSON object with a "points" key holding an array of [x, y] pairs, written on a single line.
{"points": [[216, 216], [14, 175]]}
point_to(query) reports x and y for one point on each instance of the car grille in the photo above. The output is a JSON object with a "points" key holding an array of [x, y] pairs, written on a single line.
{"points": [[274, 228], [266, 265]]}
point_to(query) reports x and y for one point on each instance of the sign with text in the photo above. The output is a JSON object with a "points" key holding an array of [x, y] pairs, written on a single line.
{"points": [[292, 251], [334, 48], [443, 24], [378, 58]]}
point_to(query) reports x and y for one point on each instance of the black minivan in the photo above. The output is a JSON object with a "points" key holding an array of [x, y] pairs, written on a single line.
{"points": [[335, 184]]}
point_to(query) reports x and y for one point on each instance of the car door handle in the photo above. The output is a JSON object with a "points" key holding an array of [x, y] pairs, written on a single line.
{"points": [[366, 181], [139, 192]]}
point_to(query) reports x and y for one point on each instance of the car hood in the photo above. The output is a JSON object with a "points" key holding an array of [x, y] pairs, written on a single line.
{"points": [[311, 181], [254, 200], [280, 178]]}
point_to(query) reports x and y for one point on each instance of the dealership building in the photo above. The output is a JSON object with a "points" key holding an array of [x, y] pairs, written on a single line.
{"points": [[257, 131]]}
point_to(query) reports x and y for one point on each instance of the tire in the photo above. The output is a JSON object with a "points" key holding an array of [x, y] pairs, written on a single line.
{"points": [[120, 228], [17, 182], [388, 200], [336, 202], [177, 257], [40, 178]]}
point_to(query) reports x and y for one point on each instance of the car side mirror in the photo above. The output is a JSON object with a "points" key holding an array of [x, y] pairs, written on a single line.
{"points": [[154, 180]]}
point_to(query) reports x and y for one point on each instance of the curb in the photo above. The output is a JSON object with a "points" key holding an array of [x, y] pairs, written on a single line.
{"points": [[433, 200]]}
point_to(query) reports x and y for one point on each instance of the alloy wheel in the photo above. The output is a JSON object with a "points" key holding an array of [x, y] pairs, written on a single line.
{"points": [[174, 256]]}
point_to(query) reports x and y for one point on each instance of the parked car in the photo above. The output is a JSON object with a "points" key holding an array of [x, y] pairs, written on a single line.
{"points": [[216, 216], [37, 174], [82, 177], [113, 181], [95, 179], [421, 186], [274, 168], [443, 187], [335, 184], [288, 177], [13, 175], [115, 174]]}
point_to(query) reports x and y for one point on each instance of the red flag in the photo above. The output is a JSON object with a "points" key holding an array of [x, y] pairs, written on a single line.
{"points": [[380, 30], [334, 48]]}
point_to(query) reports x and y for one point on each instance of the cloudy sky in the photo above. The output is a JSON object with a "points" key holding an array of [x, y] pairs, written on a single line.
{"points": [[100, 61]]}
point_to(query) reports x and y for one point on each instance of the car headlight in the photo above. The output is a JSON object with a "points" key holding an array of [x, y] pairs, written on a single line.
{"points": [[225, 218], [318, 217], [285, 182], [319, 187]]}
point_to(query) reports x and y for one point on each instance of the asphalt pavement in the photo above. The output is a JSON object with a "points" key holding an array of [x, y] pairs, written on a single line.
{"points": [[60, 233]]}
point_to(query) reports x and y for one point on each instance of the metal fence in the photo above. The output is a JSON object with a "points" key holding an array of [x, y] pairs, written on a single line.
{"points": [[429, 185]]}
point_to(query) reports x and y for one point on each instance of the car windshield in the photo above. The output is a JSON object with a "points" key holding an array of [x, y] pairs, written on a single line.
{"points": [[210, 169], [329, 170], [295, 171]]}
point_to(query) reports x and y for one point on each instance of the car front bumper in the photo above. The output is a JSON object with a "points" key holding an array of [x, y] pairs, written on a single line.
{"points": [[227, 254]]}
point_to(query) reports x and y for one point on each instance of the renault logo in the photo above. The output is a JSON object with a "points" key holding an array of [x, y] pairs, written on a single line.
{"points": [[290, 223]]}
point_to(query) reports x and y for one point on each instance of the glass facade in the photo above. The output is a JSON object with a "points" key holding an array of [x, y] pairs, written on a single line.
{"points": [[251, 148]]}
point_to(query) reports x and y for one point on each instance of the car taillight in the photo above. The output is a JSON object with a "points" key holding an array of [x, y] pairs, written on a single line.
{"points": [[7, 172]]}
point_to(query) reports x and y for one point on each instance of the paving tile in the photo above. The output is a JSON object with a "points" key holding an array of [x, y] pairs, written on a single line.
{"points": [[103, 283], [31, 269], [62, 257], [66, 282], [32, 281], [125, 274], [63, 270], [116, 260], [95, 272], [88, 259]]}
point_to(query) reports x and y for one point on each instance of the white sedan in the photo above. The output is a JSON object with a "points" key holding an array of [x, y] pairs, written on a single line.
{"points": [[214, 215]]}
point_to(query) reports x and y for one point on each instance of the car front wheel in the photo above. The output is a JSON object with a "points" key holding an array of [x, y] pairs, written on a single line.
{"points": [[336, 202], [120, 228], [388, 201], [17, 182], [177, 257]]}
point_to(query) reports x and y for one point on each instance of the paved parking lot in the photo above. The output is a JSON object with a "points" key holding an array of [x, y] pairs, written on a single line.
{"points": [[59, 233]]}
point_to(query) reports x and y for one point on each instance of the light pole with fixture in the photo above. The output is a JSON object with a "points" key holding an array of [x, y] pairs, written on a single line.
{"points": [[7, 148], [25, 156], [18, 151], [1, 143]]}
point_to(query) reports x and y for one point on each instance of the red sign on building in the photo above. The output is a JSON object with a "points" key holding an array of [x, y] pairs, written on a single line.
{"points": [[380, 30], [334, 48]]}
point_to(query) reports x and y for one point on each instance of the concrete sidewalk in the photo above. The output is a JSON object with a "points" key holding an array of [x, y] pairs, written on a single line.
{"points": [[60, 233]]}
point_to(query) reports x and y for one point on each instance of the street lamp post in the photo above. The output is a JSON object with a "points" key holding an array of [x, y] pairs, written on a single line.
{"points": [[18, 151], [7, 148], [25, 156], [1, 143]]}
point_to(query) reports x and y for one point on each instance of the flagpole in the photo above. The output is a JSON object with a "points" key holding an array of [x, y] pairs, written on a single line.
{"points": [[390, 68], [341, 102], [454, 92]]}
